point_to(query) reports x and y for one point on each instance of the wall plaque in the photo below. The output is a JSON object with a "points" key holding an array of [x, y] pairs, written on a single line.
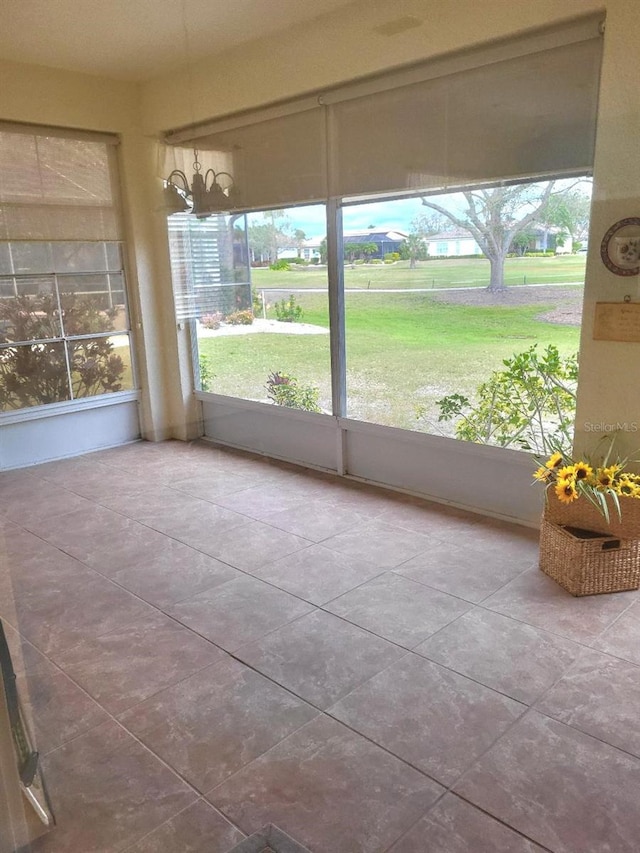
{"points": [[617, 321]]}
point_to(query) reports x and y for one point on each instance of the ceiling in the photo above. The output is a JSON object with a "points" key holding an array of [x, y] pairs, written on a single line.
{"points": [[140, 39]]}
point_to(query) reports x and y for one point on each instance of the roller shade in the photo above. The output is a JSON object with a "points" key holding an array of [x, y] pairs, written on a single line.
{"points": [[274, 161], [519, 118], [53, 187], [519, 108]]}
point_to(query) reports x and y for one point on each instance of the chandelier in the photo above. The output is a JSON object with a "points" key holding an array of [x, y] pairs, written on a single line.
{"points": [[210, 193]]}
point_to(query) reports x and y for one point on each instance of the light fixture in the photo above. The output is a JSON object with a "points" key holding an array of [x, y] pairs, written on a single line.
{"points": [[208, 193]]}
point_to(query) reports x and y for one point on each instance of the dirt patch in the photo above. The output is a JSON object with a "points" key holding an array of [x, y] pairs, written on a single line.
{"points": [[564, 304]]}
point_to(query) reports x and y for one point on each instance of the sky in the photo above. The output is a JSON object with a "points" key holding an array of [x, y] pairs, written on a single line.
{"points": [[383, 215], [391, 215]]}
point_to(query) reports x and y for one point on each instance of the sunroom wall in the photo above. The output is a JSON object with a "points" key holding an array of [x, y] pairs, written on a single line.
{"points": [[339, 48], [50, 97]]}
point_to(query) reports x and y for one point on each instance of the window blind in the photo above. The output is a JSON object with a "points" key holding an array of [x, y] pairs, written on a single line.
{"points": [[518, 108], [54, 187]]}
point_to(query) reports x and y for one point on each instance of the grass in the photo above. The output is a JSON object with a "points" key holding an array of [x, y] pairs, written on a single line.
{"points": [[403, 351], [452, 272]]}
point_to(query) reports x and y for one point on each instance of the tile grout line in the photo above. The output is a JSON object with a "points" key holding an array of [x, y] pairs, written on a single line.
{"points": [[326, 713]]}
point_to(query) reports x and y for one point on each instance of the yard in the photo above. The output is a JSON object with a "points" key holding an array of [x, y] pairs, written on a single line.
{"points": [[449, 272], [405, 350]]}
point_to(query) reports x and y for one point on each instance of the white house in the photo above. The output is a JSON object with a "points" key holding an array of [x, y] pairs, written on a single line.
{"points": [[309, 250], [452, 244]]}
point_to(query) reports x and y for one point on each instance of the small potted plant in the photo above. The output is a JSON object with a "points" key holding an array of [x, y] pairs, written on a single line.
{"points": [[590, 531]]}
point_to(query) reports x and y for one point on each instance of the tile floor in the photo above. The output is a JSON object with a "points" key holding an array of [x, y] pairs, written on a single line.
{"points": [[211, 642]]}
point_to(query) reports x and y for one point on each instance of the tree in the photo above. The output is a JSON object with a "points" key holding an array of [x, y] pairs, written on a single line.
{"points": [[351, 251], [428, 224], [299, 238], [268, 236], [495, 217], [367, 250], [522, 241], [569, 210], [414, 248]]}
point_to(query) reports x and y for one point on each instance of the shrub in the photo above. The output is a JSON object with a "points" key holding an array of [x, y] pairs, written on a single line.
{"points": [[375, 261], [206, 372], [36, 375], [359, 261], [288, 310], [284, 390], [530, 404], [388, 261], [279, 266], [241, 318], [211, 321], [256, 301], [391, 257]]}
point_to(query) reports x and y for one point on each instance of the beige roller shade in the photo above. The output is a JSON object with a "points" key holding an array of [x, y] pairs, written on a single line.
{"points": [[514, 109]]}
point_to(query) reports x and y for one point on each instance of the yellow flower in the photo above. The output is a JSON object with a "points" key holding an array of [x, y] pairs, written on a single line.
{"points": [[542, 474], [566, 491], [626, 488], [554, 461], [605, 477], [568, 473], [583, 471]]}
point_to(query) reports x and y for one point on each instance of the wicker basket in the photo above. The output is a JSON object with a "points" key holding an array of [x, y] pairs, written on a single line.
{"points": [[588, 563], [584, 515]]}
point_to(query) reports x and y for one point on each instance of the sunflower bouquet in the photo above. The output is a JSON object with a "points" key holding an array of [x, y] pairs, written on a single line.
{"points": [[570, 480]]}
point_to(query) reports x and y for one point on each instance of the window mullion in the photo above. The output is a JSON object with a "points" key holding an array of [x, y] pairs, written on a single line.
{"points": [[64, 336], [335, 272]]}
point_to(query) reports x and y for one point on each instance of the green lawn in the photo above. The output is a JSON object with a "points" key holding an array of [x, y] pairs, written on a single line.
{"points": [[453, 272], [403, 350]]}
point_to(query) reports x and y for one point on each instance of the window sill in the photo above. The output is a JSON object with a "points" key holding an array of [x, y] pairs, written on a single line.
{"points": [[67, 407]]}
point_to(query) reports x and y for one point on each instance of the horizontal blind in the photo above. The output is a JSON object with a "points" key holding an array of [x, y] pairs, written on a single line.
{"points": [[206, 276], [53, 187], [518, 108]]}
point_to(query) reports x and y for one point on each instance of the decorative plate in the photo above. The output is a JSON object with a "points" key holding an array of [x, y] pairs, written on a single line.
{"points": [[620, 247]]}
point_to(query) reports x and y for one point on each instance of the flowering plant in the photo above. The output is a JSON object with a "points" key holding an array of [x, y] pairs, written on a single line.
{"points": [[571, 480]]}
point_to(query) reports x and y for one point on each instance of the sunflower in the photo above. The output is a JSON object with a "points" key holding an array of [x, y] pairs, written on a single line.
{"points": [[554, 461], [606, 476], [627, 488], [567, 473], [542, 474], [583, 471], [566, 491]]}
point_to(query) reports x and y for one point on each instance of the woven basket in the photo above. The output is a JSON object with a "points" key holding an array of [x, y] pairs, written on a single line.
{"points": [[583, 514], [587, 563]]}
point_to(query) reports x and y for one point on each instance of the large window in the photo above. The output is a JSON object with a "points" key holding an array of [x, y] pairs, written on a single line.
{"points": [[255, 289], [427, 330], [415, 167], [64, 323]]}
